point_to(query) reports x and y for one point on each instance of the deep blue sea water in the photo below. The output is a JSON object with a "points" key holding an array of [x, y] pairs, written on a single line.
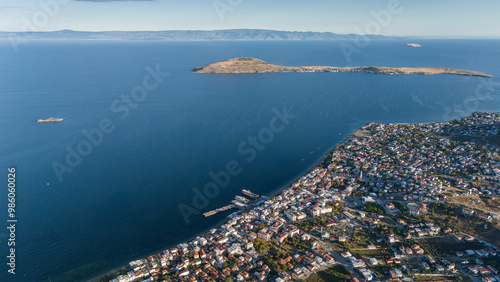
{"points": [[121, 202]]}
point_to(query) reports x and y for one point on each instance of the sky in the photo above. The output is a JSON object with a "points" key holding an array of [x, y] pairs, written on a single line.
{"points": [[429, 18]]}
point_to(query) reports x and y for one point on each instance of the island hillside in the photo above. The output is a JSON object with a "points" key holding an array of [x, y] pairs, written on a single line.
{"points": [[253, 65]]}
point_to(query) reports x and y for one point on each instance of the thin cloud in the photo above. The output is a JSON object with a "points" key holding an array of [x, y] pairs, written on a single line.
{"points": [[9, 8], [115, 0]]}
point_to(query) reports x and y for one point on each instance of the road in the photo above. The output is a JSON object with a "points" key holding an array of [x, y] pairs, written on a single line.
{"points": [[338, 258]]}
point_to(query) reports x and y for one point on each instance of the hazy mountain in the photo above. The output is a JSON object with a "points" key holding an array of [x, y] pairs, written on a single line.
{"points": [[228, 34]]}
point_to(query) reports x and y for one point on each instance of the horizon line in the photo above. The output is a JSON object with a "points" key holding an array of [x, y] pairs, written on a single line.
{"points": [[264, 29]]}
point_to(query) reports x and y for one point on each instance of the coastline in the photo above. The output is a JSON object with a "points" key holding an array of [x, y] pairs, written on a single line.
{"points": [[225, 219], [114, 270], [359, 132], [270, 195], [316, 164]]}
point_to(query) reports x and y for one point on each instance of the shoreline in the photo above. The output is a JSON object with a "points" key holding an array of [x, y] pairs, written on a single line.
{"points": [[316, 164], [97, 278], [225, 219], [362, 131], [331, 150], [270, 195]]}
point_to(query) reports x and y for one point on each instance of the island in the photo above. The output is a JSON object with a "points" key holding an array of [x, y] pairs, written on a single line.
{"points": [[253, 65], [413, 45], [50, 120]]}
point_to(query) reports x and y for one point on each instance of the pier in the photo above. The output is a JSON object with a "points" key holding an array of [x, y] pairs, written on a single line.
{"points": [[210, 213], [238, 203]]}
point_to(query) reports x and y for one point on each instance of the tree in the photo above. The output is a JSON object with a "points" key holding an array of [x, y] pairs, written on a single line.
{"points": [[274, 265], [273, 241], [229, 279], [260, 246], [224, 265], [261, 225]]}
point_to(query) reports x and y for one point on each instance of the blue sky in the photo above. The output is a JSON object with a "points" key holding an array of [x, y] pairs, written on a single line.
{"points": [[442, 18]]}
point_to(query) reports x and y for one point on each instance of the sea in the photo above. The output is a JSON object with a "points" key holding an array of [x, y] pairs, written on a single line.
{"points": [[146, 145]]}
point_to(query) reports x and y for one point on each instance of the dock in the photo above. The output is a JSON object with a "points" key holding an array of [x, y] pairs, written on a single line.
{"points": [[238, 203], [210, 213]]}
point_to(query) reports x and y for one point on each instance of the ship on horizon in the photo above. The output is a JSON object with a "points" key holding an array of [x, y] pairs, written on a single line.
{"points": [[50, 120]]}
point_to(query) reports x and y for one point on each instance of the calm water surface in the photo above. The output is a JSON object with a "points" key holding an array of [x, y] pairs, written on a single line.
{"points": [[121, 201]]}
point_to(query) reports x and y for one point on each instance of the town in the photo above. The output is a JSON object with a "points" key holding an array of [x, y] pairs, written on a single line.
{"points": [[393, 202]]}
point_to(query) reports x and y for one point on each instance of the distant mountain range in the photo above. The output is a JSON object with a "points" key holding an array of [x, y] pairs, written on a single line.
{"points": [[191, 35]]}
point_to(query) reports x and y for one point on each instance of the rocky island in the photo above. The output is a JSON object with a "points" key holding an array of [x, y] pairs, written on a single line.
{"points": [[253, 65]]}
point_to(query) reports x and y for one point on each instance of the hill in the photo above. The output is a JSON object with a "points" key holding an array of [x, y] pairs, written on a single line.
{"points": [[189, 35]]}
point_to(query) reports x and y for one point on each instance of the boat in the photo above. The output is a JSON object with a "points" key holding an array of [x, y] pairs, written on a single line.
{"points": [[242, 199], [238, 203], [250, 194], [50, 120]]}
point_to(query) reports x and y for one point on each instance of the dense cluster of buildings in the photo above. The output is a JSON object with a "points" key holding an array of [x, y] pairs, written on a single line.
{"points": [[414, 160]]}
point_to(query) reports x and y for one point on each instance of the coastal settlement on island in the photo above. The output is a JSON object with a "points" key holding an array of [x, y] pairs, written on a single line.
{"points": [[393, 201]]}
